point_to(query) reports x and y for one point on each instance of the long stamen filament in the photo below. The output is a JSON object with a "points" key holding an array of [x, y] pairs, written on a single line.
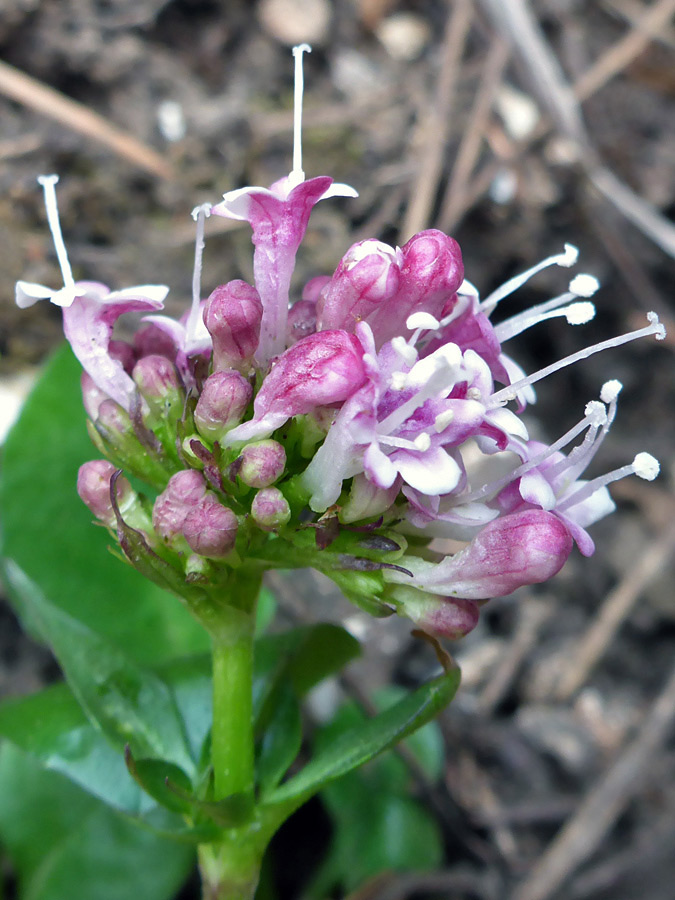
{"points": [[566, 259], [443, 377], [644, 466], [199, 214], [48, 183], [510, 392], [299, 87]]}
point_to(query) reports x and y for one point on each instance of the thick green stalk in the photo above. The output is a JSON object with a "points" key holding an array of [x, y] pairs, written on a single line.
{"points": [[232, 734], [230, 870]]}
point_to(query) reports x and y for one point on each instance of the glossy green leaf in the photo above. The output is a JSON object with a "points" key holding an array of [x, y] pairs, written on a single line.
{"points": [[130, 704], [49, 533], [360, 743], [64, 843], [281, 741]]}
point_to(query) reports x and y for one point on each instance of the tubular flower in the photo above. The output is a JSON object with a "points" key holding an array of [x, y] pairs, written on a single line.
{"points": [[381, 407]]}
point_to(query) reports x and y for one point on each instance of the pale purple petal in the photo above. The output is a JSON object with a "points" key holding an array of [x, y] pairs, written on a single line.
{"points": [[432, 472]]}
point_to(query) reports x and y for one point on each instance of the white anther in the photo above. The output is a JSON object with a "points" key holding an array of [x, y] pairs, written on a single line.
{"points": [[443, 419], [660, 333], [407, 353], [399, 381], [422, 441], [596, 412], [467, 289], [580, 313], [584, 285], [473, 393], [610, 390], [423, 320], [204, 209], [569, 257], [646, 466]]}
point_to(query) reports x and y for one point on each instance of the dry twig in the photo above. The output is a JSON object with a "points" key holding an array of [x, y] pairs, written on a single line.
{"points": [[45, 100], [603, 804]]}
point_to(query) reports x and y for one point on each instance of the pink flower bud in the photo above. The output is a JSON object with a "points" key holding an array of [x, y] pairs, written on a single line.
{"points": [[222, 403], [184, 491], [321, 369], [157, 381], [447, 617], [210, 528], [154, 341], [232, 316], [261, 464], [367, 500], [93, 486], [368, 275], [270, 509], [525, 547], [113, 422]]}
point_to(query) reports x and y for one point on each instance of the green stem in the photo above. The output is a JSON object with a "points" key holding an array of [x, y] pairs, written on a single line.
{"points": [[229, 870], [232, 734]]}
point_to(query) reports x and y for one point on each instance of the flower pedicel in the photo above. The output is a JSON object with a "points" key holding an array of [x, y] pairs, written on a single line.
{"points": [[343, 431]]}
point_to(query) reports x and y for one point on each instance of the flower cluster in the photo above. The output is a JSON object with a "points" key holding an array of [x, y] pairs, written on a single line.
{"points": [[345, 431]]}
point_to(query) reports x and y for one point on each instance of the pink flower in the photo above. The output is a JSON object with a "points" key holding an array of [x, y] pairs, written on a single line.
{"points": [[278, 217]]}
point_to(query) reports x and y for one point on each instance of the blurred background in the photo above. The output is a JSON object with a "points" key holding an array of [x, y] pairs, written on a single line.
{"points": [[514, 126]]}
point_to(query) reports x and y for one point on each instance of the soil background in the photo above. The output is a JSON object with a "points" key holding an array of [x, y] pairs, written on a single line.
{"points": [[515, 135]]}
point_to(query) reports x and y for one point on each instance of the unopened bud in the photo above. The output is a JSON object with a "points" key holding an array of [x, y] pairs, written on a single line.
{"points": [[93, 486], [184, 491], [447, 617], [262, 463], [270, 509], [222, 403], [232, 316], [367, 275], [367, 500], [158, 383], [210, 528]]}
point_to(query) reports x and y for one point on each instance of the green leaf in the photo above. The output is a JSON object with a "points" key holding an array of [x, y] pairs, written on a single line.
{"points": [[131, 705], [49, 534], [362, 742], [65, 844], [303, 657], [281, 741]]}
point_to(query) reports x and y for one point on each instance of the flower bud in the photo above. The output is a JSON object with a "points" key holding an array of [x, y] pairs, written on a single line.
{"points": [[270, 509], [367, 276], [158, 383], [262, 463], [232, 316], [222, 403], [367, 500], [210, 528], [93, 486], [525, 547], [114, 425], [324, 368], [184, 491], [446, 617]]}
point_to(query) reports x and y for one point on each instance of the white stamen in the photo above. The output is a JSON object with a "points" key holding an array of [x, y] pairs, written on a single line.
{"points": [[610, 390], [422, 320], [443, 419], [565, 259], [596, 412], [399, 381], [589, 421], [509, 393], [199, 214], [422, 441], [579, 313], [297, 111], [468, 289], [403, 349], [48, 183], [443, 377], [646, 466], [660, 333], [584, 285]]}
